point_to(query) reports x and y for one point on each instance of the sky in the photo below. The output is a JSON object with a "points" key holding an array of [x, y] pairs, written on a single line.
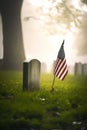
{"points": [[42, 46]]}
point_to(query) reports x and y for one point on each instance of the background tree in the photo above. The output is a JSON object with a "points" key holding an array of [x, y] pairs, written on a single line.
{"points": [[13, 48], [60, 16], [84, 1]]}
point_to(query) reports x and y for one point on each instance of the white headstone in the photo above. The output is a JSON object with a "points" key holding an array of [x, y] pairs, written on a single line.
{"points": [[78, 68], [31, 75], [84, 69], [43, 67]]}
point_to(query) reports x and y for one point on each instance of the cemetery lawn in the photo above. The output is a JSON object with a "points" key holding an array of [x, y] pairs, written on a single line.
{"points": [[63, 109]]}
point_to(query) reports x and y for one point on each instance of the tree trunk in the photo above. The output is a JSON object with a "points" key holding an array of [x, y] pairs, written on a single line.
{"points": [[12, 34]]}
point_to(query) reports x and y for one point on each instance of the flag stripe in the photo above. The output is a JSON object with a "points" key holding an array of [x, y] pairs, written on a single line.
{"points": [[61, 66], [63, 72], [58, 65], [58, 62]]}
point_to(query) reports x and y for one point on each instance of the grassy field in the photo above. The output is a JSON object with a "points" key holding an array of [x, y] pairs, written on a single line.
{"points": [[64, 109]]}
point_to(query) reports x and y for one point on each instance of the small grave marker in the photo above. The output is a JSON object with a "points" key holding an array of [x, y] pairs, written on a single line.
{"points": [[78, 69], [31, 75], [84, 69]]}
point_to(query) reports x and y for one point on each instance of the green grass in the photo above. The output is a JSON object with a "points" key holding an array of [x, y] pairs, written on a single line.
{"points": [[64, 109]]}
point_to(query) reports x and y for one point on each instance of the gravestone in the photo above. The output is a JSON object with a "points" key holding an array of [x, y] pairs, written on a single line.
{"points": [[43, 67], [84, 69], [78, 68], [25, 75], [31, 75], [1, 64]]}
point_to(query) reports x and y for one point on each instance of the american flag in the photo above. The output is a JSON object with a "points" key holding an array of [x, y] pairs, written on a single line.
{"points": [[60, 66]]}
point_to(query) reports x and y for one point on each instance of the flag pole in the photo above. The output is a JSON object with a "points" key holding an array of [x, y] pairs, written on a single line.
{"points": [[53, 84]]}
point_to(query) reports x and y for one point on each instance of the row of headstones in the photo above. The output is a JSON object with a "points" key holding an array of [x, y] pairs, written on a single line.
{"points": [[43, 66], [80, 69], [31, 73]]}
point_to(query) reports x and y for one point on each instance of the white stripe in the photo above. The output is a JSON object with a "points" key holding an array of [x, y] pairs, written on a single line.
{"points": [[64, 74], [62, 69], [61, 64], [57, 64], [59, 72]]}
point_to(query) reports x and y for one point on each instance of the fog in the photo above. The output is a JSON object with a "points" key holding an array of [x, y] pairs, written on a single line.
{"points": [[81, 38], [44, 47]]}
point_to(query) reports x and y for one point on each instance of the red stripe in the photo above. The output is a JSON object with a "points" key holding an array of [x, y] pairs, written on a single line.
{"points": [[65, 75], [60, 67], [64, 69], [60, 73], [57, 65]]}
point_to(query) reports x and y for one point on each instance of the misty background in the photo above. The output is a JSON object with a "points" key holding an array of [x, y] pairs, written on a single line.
{"points": [[43, 46]]}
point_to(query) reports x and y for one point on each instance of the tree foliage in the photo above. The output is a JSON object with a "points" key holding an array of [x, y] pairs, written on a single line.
{"points": [[60, 15], [84, 1]]}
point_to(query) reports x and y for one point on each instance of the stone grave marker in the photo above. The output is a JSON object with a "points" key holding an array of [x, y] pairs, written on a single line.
{"points": [[31, 75], [84, 69], [78, 68]]}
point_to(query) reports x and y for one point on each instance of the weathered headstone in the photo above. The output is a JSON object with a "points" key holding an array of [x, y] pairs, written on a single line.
{"points": [[1, 64], [84, 69], [43, 67], [25, 75], [78, 68], [31, 75]]}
